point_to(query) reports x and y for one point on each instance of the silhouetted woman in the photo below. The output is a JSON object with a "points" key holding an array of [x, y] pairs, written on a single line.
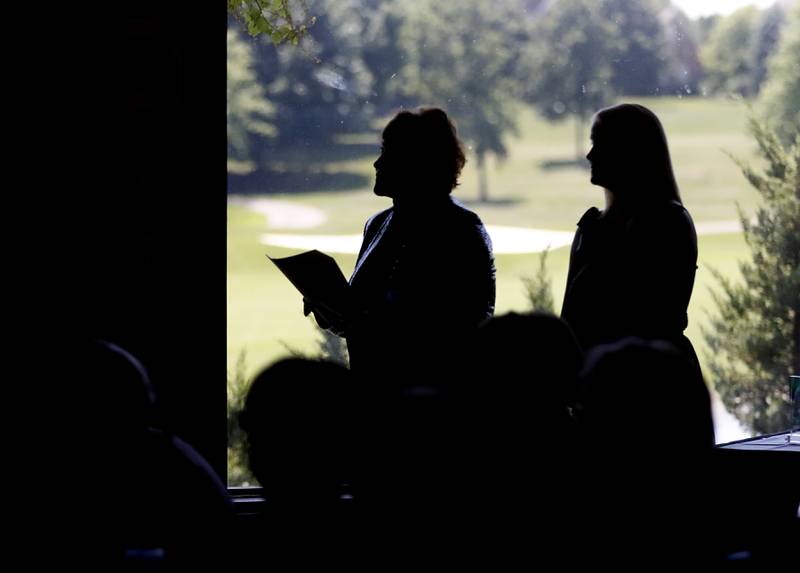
{"points": [[632, 265], [425, 277]]}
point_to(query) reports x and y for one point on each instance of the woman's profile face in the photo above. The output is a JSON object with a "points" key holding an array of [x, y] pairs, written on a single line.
{"points": [[391, 170], [601, 156], [383, 168]]}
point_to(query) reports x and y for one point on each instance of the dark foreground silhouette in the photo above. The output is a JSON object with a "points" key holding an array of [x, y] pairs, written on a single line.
{"points": [[148, 498]]}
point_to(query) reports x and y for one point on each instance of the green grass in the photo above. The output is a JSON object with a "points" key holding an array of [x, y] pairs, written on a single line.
{"points": [[265, 311]]}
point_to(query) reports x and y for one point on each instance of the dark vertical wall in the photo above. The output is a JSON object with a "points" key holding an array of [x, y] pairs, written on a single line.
{"points": [[133, 198]]}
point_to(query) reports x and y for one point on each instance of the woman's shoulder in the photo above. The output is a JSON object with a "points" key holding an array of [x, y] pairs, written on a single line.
{"points": [[463, 226], [458, 212], [378, 218], [669, 213], [676, 215], [669, 219], [591, 215]]}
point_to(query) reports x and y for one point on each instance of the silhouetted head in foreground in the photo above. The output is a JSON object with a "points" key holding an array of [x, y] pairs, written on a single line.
{"points": [[519, 434], [649, 395], [630, 156], [298, 417], [530, 364], [166, 497], [647, 437], [116, 387], [524, 370], [421, 156]]}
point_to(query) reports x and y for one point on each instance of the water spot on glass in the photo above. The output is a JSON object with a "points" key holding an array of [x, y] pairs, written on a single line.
{"points": [[330, 78]]}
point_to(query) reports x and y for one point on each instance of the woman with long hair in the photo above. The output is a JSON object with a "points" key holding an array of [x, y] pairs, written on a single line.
{"points": [[632, 265]]}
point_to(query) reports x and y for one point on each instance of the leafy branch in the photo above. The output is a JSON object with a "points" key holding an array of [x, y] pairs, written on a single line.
{"points": [[280, 20]]}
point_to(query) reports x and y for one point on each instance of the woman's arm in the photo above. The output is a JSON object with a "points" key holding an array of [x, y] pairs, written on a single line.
{"points": [[326, 317]]}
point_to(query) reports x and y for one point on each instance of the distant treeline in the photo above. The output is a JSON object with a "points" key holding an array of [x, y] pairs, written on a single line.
{"points": [[481, 59]]}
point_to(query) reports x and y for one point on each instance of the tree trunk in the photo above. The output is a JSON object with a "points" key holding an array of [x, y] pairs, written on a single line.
{"points": [[483, 187]]}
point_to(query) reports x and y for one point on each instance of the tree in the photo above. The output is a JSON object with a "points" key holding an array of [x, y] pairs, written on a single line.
{"points": [[539, 288], [727, 57], [683, 72], [238, 384], [571, 64], [321, 88], [278, 20], [383, 51], [641, 62], [755, 337], [781, 93], [703, 26], [249, 114], [463, 57], [765, 42]]}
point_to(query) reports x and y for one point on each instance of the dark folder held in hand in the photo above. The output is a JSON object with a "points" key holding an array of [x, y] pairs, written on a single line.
{"points": [[318, 278]]}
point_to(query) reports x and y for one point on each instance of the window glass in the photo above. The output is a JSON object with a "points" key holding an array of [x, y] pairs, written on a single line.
{"points": [[522, 80]]}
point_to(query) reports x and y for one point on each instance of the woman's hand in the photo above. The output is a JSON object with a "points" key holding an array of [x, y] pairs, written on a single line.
{"points": [[326, 317]]}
